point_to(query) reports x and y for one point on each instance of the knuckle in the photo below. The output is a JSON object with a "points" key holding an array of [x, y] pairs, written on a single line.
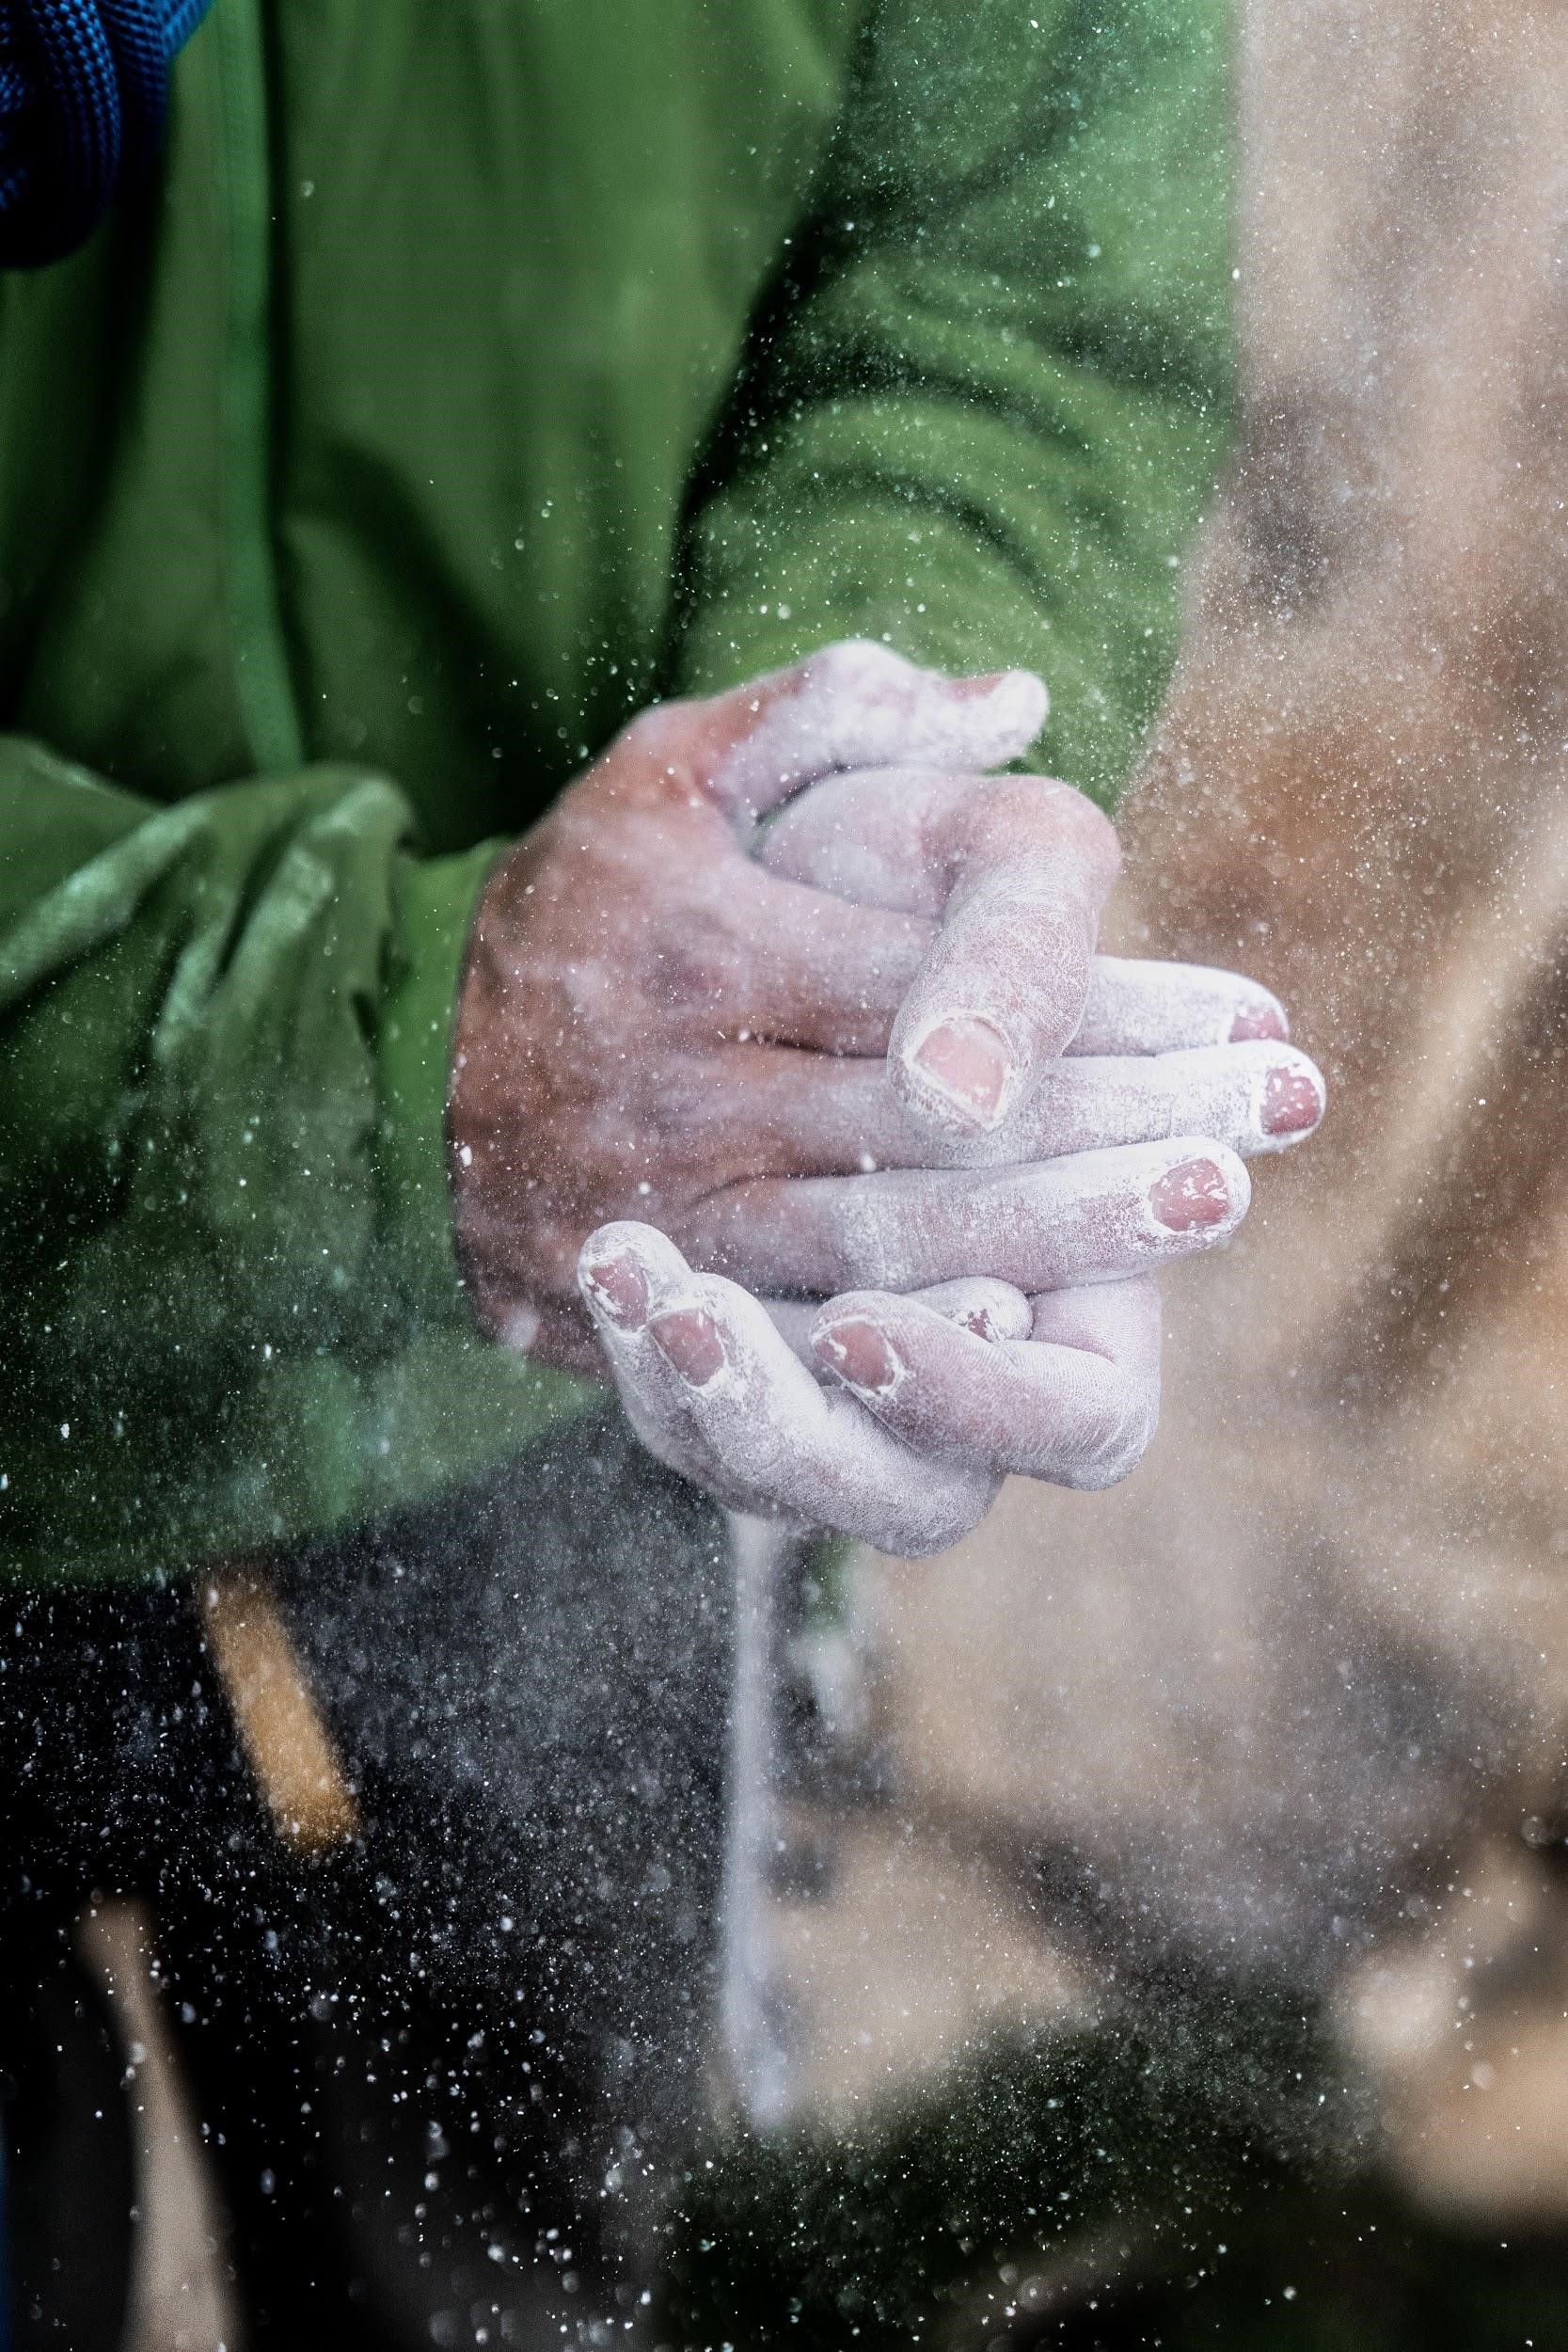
{"points": [[1086, 827], [1030, 829], [745, 1461], [1085, 816], [1114, 1439], [938, 1516], [650, 732], [1024, 803], [682, 1100], [697, 960], [657, 1428], [873, 1240], [854, 665]]}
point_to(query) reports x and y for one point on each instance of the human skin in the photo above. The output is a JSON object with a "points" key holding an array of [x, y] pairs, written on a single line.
{"points": [[707, 1064]]}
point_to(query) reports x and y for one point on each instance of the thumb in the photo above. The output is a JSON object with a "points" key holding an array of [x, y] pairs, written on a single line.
{"points": [[853, 705]]}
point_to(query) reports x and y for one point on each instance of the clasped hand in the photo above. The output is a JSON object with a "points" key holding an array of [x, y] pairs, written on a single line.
{"points": [[789, 1000]]}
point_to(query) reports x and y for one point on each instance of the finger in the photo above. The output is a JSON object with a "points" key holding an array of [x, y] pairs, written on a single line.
{"points": [[1254, 1099], [683, 913], [1079, 1413], [1092, 1217], [713, 1390], [757, 1110], [993, 1309], [1137, 1006], [853, 705], [870, 835], [1018, 868], [867, 838], [799, 966]]}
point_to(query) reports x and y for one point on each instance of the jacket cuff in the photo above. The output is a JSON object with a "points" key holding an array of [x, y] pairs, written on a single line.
{"points": [[433, 911]]}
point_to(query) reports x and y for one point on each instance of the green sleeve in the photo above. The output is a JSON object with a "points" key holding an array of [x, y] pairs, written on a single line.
{"points": [[231, 1314], [988, 395]]}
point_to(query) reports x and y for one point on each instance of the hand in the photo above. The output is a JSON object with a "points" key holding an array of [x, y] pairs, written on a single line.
{"points": [[893, 1416], [655, 1024], [945, 1391]]}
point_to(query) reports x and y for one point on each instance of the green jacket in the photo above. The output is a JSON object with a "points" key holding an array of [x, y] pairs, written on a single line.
{"points": [[477, 369]]}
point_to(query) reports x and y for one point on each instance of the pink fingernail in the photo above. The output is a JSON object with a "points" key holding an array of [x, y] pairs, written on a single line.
{"points": [[1292, 1103], [860, 1354], [966, 1063], [1190, 1197], [1259, 1021], [689, 1339], [620, 1287], [972, 689]]}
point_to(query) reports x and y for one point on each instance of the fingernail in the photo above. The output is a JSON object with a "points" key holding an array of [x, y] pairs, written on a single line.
{"points": [[1191, 1196], [620, 1287], [690, 1340], [860, 1354], [972, 689], [1259, 1021], [1292, 1103], [966, 1063]]}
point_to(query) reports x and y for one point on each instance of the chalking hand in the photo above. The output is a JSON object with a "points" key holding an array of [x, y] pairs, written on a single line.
{"points": [[806, 1001]]}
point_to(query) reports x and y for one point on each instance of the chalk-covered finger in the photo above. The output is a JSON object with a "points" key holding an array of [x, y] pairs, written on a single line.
{"points": [[873, 838], [1017, 869], [853, 705], [799, 965], [1138, 1007], [714, 1390], [1077, 1409], [1253, 1098], [993, 1310], [1093, 1217], [777, 1113]]}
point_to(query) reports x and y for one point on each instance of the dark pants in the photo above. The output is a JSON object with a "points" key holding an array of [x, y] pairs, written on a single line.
{"points": [[444, 2067]]}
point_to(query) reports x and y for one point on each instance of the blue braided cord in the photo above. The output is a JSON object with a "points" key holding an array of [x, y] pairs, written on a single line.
{"points": [[181, 19], [70, 130], [84, 90], [16, 92], [141, 52]]}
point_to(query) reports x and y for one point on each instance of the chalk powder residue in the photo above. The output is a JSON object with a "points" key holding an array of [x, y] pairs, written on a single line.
{"points": [[752, 2014]]}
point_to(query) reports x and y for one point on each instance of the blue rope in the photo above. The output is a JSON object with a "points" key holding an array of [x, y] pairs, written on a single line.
{"points": [[83, 89]]}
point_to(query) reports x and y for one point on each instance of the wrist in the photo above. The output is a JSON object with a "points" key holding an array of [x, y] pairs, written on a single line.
{"points": [[496, 1099]]}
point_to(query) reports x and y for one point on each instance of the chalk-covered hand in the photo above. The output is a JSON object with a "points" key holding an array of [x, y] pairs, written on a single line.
{"points": [[812, 1095], [892, 1413], [943, 1392]]}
